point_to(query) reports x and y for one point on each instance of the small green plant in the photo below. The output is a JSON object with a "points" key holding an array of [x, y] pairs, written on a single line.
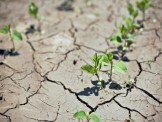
{"points": [[95, 68], [132, 12], [100, 61], [13, 34], [33, 12], [126, 32], [81, 115], [125, 35], [143, 5]]}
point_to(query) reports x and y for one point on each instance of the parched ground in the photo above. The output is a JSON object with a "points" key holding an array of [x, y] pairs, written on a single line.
{"points": [[43, 82]]}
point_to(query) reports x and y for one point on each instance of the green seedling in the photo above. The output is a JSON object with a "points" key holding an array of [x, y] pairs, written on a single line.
{"points": [[33, 12], [125, 34], [94, 69], [81, 115], [100, 61], [13, 34], [132, 12], [143, 5], [119, 67], [127, 31]]}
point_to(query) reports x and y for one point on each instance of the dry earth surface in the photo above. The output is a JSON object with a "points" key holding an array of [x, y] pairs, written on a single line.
{"points": [[43, 82]]}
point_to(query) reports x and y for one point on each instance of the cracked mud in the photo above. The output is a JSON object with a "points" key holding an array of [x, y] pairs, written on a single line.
{"points": [[43, 82]]}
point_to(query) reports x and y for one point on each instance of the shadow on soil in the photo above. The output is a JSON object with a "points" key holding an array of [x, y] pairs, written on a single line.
{"points": [[66, 6], [119, 54], [115, 86], [31, 29], [96, 88], [4, 52]]}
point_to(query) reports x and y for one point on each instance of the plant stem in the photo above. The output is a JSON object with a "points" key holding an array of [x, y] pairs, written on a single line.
{"points": [[143, 12], [97, 76], [111, 71], [13, 45], [99, 80], [39, 25]]}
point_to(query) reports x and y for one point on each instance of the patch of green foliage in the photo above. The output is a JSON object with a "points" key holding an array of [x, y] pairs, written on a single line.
{"points": [[13, 34], [100, 61], [81, 115]]}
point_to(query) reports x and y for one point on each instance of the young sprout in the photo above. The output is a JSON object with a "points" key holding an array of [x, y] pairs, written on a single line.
{"points": [[33, 12], [132, 12], [13, 34], [121, 37], [81, 115], [100, 61], [119, 67], [125, 35], [95, 68], [143, 5]]}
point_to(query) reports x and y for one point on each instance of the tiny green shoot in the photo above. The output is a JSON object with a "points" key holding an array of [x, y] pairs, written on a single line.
{"points": [[143, 5], [13, 34], [132, 12], [33, 10], [95, 67], [100, 61], [81, 115]]}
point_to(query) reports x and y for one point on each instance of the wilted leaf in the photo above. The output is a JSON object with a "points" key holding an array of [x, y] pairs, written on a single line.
{"points": [[88, 68], [120, 67], [5, 29], [94, 118], [33, 9], [80, 115], [16, 36]]}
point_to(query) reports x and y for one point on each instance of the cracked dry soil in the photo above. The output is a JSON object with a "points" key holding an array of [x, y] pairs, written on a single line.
{"points": [[43, 82]]}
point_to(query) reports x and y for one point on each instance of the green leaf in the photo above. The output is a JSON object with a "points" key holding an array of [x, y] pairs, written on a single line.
{"points": [[96, 60], [130, 8], [5, 29], [33, 9], [120, 67], [143, 5], [110, 56], [132, 36], [80, 115], [88, 68], [116, 39], [132, 11], [105, 61], [123, 31], [16, 36], [135, 14], [94, 118]]}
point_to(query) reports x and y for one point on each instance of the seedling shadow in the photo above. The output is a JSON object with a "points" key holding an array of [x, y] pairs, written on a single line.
{"points": [[11, 52], [31, 29], [115, 86], [66, 6], [93, 90], [117, 55], [140, 24]]}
